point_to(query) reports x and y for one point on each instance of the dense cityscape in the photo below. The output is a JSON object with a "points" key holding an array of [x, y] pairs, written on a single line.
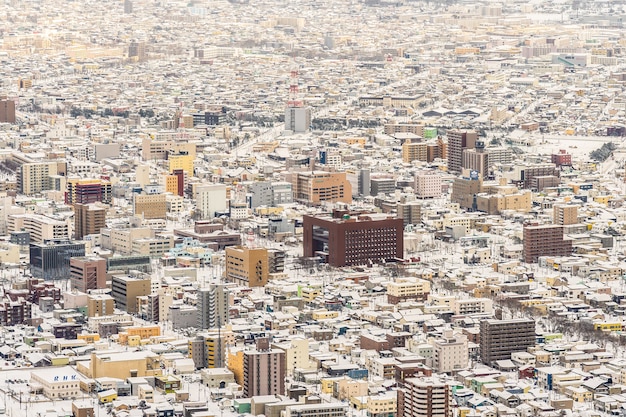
{"points": [[298, 208]]}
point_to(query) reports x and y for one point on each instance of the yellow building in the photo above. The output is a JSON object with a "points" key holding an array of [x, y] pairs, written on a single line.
{"points": [[89, 337], [247, 266], [407, 289], [235, 364], [324, 314], [182, 161], [142, 332], [100, 305], [608, 327], [171, 183], [414, 151], [310, 292], [120, 365]]}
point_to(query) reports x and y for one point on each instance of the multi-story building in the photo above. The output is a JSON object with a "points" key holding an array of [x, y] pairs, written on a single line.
{"points": [[35, 177], [150, 206], [89, 219], [125, 290], [414, 128], [318, 186], [13, 313], [464, 190], [499, 155], [450, 353], [208, 349], [427, 184], [212, 306], [88, 273], [410, 212], [414, 150], [477, 159], [544, 240], [40, 228], [335, 409], [343, 239], [99, 305], [500, 338], [565, 214], [382, 185], [51, 260], [407, 288], [264, 370], [87, 191], [298, 119], [269, 194], [247, 266], [425, 397], [121, 239], [210, 199], [458, 140], [562, 158], [7, 111]]}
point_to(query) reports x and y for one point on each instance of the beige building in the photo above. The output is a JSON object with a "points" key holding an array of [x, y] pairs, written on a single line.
{"points": [[153, 246], [150, 206], [247, 266], [100, 305], [407, 289], [121, 365], [296, 354], [450, 352], [40, 227], [121, 240], [126, 289], [319, 186], [346, 388], [414, 151], [35, 177], [565, 214], [57, 383], [504, 198]]}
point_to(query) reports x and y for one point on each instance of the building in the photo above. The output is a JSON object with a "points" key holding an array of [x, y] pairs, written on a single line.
{"points": [[41, 228], [319, 186], [208, 349], [89, 219], [464, 190], [414, 128], [137, 49], [51, 260], [477, 159], [500, 338], [57, 383], [343, 240], [264, 370], [450, 352], [334, 409], [121, 365], [150, 206], [298, 119], [210, 200], [36, 177], [87, 191], [99, 305], [268, 194], [544, 240], [382, 185], [88, 273], [458, 140], [212, 306], [247, 266], [562, 158], [7, 111], [414, 150], [407, 288], [125, 290], [425, 397], [428, 184], [410, 212], [565, 214]]}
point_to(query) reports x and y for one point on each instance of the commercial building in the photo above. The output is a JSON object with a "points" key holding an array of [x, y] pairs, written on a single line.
{"points": [[298, 119], [57, 383], [212, 306], [450, 353], [544, 240], [464, 190], [125, 290], [247, 266], [318, 186], [51, 260], [410, 212], [99, 305], [208, 349], [210, 200], [150, 206], [35, 177], [264, 370], [89, 219], [343, 240], [425, 397], [88, 273], [7, 111], [500, 338], [41, 228], [317, 410], [428, 184], [458, 140], [477, 159], [414, 150], [87, 191]]}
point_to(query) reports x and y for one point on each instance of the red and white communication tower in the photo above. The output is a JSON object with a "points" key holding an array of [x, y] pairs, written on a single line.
{"points": [[294, 89]]}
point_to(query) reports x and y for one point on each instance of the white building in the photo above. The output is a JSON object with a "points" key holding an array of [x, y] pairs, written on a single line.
{"points": [[57, 382], [427, 184], [210, 198], [450, 352]]}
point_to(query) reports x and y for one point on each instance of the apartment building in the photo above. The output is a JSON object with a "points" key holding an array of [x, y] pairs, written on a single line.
{"points": [[544, 240], [247, 266], [425, 397], [500, 338]]}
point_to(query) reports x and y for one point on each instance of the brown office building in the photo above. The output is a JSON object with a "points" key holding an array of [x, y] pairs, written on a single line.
{"points": [[544, 240], [151, 206], [319, 186], [458, 140], [88, 273], [344, 240], [7, 111], [425, 397], [500, 338], [89, 219], [247, 266], [126, 289], [264, 370], [565, 214]]}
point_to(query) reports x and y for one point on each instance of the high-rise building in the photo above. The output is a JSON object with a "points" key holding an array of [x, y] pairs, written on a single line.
{"points": [[477, 159], [425, 397], [458, 140], [544, 240], [88, 273], [247, 266], [208, 349], [128, 6], [298, 119], [428, 184], [51, 260], [343, 240], [210, 199], [414, 151], [7, 111], [89, 219], [87, 191], [212, 307], [565, 214], [410, 212], [125, 290], [137, 49], [500, 338], [464, 190], [264, 370], [319, 186], [35, 177], [450, 352]]}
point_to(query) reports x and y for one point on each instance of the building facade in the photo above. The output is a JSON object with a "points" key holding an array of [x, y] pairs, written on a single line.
{"points": [[500, 338]]}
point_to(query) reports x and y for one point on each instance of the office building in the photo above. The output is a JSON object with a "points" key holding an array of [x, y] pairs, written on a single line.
{"points": [[269, 194], [565, 214], [210, 200], [125, 290], [407, 288], [500, 338], [382, 186], [150, 206], [87, 191], [319, 186], [428, 184], [137, 50], [410, 212], [414, 128], [7, 111], [41, 228], [51, 260], [561, 158], [212, 307], [343, 240], [425, 397], [450, 353], [458, 140], [544, 240], [89, 219], [88, 273], [477, 159], [464, 190], [334, 409], [247, 266], [99, 305], [264, 370], [36, 177], [298, 119]]}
